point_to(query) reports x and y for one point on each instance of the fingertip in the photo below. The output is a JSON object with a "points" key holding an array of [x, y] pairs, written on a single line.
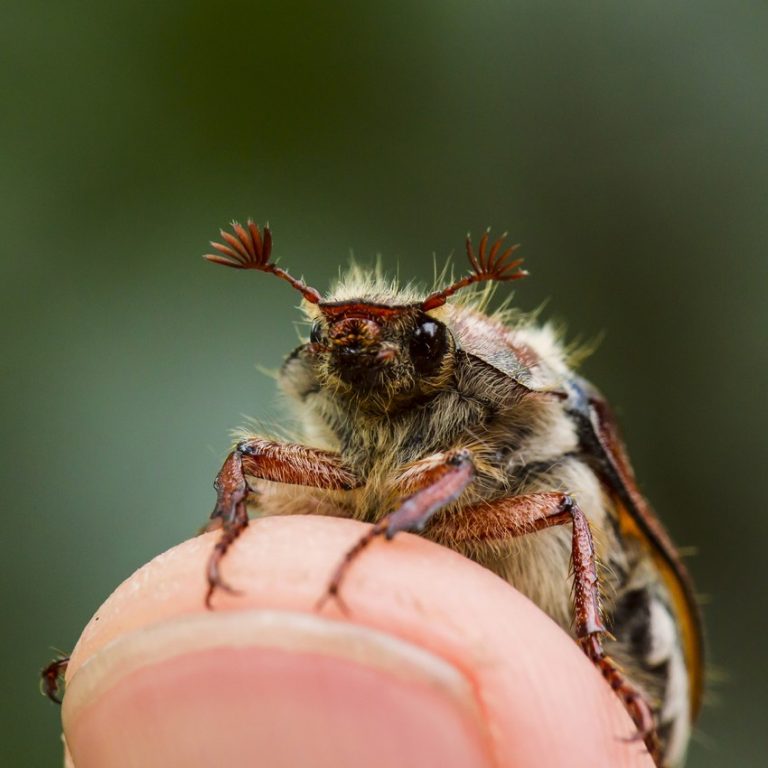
{"points": [[541, 702], [271, 688]]}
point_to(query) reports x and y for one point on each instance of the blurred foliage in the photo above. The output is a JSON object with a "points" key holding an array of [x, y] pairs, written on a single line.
{"points": [[624, 144]]}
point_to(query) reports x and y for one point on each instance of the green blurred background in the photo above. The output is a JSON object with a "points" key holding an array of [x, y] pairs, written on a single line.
{"points": [[624, 144]]}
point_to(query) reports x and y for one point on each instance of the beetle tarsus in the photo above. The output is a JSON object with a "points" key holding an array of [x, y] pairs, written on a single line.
{"points": [[230, 530], [333, 591], [633, 700], [51, 678]]}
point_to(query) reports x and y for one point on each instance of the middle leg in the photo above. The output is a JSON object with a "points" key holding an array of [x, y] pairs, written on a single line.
{"points": [[520, 515], [514, 516]]}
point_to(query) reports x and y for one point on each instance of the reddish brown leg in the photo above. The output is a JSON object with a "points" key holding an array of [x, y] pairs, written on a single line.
{"points": [[633, 700], [51, 678], [265, 460], [520, 515], [442, 479]]}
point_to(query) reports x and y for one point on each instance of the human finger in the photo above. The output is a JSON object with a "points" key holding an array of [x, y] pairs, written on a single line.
{"points": [[439, 663]]}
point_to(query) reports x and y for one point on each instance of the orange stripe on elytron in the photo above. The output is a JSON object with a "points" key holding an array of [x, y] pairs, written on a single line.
{"points": [[683, 603]]}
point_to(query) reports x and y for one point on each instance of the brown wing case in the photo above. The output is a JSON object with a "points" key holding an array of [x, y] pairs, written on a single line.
{"points": [[599, 433]]}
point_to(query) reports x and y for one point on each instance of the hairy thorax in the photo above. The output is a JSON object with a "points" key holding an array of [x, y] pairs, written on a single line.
{"points": [[521, 441]]}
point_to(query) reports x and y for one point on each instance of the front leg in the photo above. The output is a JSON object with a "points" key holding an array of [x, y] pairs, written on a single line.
{"points": [[265, 460], [440, 479]]}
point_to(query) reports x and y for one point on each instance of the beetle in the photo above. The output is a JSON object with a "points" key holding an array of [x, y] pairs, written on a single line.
{"points": [[431, 414], [438, 417]]}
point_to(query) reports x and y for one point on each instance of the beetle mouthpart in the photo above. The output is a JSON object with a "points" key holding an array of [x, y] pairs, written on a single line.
{"points": [[354, 334], [387, 353]]}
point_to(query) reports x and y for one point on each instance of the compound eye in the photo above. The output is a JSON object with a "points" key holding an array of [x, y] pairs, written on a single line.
{"points": [[315, 335], [428, 345]]}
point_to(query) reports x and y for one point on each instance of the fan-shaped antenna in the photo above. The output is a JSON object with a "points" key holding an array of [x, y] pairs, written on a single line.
{"points": [[247, 249], [489, 264]]}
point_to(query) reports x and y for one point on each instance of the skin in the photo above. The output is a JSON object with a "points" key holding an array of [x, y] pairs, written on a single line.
{"points": [[440, 663]]}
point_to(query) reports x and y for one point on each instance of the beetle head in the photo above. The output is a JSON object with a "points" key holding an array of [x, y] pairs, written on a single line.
{"points": [[374, 346]]}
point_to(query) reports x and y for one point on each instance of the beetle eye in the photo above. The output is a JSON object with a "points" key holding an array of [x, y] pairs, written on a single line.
{"points": [[315, 333], [428, 345]]}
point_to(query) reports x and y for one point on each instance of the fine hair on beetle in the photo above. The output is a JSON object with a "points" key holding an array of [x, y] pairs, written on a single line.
{"points": [[427, 415]]}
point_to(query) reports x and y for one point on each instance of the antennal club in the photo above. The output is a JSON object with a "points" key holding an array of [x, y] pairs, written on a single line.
{"points": [[488, 264], [247, 249]]}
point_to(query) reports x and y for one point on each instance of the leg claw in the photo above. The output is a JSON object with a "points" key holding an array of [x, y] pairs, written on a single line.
{"points": [[224, 587], [329, 595]]}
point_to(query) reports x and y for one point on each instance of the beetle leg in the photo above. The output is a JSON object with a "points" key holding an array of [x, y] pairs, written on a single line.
{"points": [[50, 678], [264, 460], [442, 479], [633, 700], [231, 528], [521, 515]]}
